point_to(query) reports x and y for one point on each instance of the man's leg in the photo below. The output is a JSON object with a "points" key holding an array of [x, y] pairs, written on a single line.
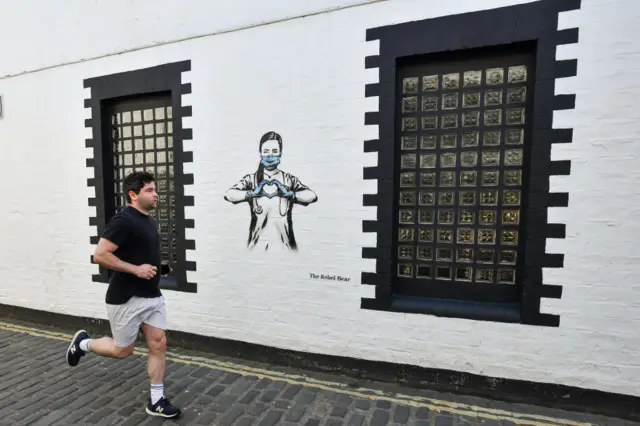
{"points": [[154, 332], [106, 346], [125, 323], [81, 344], [157, 344]]}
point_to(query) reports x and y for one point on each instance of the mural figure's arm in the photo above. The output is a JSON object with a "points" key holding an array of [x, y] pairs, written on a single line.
{"points": [[242, 190], [299, 192]]}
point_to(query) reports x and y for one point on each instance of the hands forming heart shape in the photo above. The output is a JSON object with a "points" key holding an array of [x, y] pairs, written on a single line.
{"points": [[281, 190]]}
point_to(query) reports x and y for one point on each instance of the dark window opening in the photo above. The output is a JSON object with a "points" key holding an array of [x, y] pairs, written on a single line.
{"points": [[141, 139], [463, 124]]}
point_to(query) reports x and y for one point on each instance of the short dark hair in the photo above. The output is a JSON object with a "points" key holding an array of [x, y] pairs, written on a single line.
{"points": [[271, 136], [135, 182]]}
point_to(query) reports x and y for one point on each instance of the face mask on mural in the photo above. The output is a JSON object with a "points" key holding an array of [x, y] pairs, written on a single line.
{"points": [[270, 161]]}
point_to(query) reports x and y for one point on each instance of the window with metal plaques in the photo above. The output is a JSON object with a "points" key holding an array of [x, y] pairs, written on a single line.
{"points": [[137, 124], [462, 129], [142, 140]]}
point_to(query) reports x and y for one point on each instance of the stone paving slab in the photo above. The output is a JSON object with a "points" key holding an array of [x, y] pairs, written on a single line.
{"points": [[39, 388]]}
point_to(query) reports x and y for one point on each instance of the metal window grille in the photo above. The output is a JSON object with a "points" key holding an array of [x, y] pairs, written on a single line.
{"points": [[462, 150], [142, 139]]}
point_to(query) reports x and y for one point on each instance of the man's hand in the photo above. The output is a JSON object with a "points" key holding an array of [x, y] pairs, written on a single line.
{"points": [[146, 271]]}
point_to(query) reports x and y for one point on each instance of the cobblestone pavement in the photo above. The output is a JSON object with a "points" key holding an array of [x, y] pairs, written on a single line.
{"points": [[38, 388]]}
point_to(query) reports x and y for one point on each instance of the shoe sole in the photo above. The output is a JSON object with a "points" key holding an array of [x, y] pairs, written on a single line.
{"points": [[152, 413], [73, 340]]}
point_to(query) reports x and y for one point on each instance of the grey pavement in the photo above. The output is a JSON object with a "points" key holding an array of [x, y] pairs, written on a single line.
{"points": [[39, 388]]}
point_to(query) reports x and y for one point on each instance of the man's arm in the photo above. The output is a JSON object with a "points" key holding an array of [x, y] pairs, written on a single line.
{"points": [[104, 256], [115, 235]]}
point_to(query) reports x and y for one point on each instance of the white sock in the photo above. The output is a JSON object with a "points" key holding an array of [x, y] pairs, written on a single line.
{"points": [[84, 345], [157, 392]]}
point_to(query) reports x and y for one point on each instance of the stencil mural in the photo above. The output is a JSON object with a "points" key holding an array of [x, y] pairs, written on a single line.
{"points": [[271, 195]]}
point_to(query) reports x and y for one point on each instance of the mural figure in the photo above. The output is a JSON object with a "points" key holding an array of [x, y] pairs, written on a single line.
{"points": [[271, 194]]}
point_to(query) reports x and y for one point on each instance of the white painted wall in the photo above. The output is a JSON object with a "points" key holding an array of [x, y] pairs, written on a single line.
{"points": [[91, 29], [305, 79]]}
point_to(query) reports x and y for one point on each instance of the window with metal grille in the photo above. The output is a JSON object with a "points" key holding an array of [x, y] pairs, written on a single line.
{"points": [[463, 136], [137, 124], [461, 143], [142, 140]]}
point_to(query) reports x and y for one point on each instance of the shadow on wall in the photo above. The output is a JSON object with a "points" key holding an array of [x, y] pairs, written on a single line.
{"points": [[271, 195]]}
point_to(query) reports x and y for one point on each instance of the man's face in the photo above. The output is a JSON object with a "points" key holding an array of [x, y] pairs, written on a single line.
{"points": [[147, 199]]}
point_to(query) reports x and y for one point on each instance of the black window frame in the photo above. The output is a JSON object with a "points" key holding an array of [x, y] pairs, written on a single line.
{"points": [[166, 78], [503, 27], [457, 62]]}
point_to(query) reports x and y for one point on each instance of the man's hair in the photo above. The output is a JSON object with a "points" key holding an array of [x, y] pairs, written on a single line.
{"points": [[135, 182]]}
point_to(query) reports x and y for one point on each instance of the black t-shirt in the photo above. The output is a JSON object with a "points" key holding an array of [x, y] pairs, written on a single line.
{"points": [[138, 241]]}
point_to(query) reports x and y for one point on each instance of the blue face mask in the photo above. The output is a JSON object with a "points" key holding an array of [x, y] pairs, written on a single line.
{"points": [[270, 161]]}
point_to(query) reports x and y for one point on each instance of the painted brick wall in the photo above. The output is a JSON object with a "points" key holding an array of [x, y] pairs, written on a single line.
{"points": [[115, 26], [305, 79]]}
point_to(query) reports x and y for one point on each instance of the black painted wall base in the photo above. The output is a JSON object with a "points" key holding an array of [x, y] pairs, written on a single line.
{"points": [[508, 390]]}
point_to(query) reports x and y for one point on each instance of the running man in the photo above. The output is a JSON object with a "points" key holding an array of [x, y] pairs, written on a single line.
{"points": [[130, 246]]}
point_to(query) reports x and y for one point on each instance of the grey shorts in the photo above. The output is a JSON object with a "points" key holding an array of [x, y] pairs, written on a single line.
{"points": [[126, 319]]}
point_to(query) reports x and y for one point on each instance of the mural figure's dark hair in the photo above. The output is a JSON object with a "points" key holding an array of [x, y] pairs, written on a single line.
{"points": [[269, 136]]}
